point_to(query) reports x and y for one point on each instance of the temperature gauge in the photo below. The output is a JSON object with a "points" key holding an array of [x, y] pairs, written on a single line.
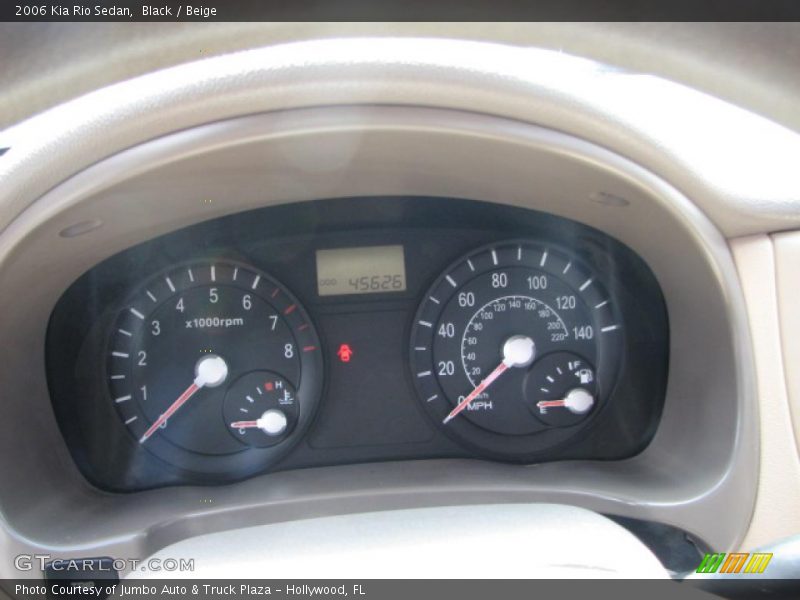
{"points": [[260, 409], [561, 389]]}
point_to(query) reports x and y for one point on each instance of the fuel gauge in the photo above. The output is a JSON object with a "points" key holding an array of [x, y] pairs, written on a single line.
{"points": [[561, 389]]}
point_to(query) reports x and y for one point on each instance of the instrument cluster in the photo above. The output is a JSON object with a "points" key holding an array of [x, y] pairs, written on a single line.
{"points": [[357, 330]]}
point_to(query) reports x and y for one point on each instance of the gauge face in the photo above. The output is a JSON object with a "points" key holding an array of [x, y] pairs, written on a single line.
{"points": [[261, 409], [561, 389], [188, 351], [505, 329]]}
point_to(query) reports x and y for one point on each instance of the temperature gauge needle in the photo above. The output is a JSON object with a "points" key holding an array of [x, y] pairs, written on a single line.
{"points": [[273, 422], [210, 371], [518, 351]]}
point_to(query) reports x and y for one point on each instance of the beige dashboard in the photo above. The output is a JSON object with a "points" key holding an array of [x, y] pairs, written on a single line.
{"points": [[650, 162]]}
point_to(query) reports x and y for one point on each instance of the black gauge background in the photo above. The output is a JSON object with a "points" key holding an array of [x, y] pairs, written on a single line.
{"points": [[369, 409], [611, 347], [218, 456]]}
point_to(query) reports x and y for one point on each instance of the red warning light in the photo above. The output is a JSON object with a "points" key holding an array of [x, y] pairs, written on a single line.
{"points": [[269, 386], [345, 353]]}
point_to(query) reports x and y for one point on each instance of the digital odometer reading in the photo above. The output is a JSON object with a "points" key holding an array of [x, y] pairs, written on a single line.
{"points": [[365, 270]]}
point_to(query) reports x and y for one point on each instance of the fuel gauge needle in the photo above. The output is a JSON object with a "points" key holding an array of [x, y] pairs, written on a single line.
{"points": [[577, 401], [210, 371], [518, 351], [551, 403]]}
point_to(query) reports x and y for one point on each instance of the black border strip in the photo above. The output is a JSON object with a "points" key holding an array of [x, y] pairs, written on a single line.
{"points": [[399, 10]]}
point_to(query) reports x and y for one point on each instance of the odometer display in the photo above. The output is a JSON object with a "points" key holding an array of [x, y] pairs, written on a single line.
{"points": [[481, 341], [364, 270]]}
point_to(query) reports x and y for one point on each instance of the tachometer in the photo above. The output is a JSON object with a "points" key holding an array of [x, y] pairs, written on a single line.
{"points": [[214, 367], [515, 347]]}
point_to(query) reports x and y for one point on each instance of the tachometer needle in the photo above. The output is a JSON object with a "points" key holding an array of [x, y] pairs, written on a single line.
{"points": [[210, 371], [518, 351]]}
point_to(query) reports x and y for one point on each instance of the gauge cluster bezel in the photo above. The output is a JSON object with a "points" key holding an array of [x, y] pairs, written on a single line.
{"points": [[280, 242], [702, 463]]}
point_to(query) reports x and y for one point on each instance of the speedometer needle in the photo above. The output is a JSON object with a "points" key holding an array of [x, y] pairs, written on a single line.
{"points": [[518, 351], [210, 371]]}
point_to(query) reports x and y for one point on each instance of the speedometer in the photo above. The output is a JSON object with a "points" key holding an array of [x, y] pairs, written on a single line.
{"points": [[515, 348]]}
